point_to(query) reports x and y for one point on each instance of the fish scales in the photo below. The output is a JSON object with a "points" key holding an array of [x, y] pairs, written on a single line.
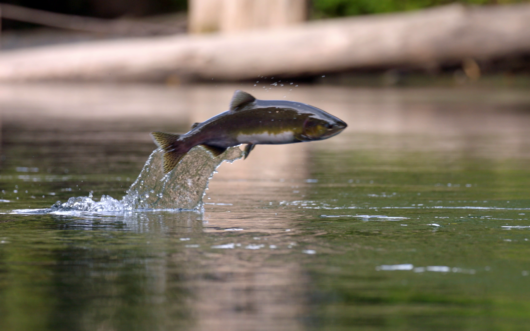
{"points": [[251, 121], [257, 126]]}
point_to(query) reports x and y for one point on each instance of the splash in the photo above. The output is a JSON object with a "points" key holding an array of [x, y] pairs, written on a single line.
{"points": [[181, 189]]}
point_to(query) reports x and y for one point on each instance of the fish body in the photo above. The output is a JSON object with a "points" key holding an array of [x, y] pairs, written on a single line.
{"points": [[251, 121]]}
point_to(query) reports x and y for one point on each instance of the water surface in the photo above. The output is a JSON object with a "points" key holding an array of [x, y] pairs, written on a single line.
{"points": [[414, 218]]}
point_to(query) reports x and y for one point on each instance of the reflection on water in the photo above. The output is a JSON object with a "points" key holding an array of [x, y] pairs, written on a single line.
{"points": [[415, 217]]}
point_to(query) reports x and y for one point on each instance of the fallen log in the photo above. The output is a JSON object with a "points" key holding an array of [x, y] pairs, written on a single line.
{"points": [[423, 38]]}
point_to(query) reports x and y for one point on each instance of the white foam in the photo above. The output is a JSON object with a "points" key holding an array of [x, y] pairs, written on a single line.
{"points": [[179, 190], [509, 227], [254, 247], [393, 267], [225, 246]]}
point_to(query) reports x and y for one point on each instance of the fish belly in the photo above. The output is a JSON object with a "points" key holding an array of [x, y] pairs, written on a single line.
{"points": [[285, 137]]}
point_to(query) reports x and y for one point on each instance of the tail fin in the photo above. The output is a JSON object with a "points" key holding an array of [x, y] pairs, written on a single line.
{"points": [[173, 148]]}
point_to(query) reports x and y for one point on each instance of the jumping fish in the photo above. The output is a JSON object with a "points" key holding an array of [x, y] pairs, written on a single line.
{"points": [[251, 121]]}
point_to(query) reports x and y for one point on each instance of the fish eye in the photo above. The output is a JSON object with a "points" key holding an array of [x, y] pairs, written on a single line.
{"points": [[329, 125]]}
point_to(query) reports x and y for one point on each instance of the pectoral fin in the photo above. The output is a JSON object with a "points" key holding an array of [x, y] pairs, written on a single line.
{"points": [[249, 149], [216, 151]]}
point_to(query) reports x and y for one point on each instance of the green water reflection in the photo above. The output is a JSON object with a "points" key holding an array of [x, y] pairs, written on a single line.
{"points": [[415, 218], [465, 270]]}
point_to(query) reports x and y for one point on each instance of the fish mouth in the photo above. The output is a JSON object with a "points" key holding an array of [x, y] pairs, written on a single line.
{"points": [[337, 128], [331, 134], [340, 125]]}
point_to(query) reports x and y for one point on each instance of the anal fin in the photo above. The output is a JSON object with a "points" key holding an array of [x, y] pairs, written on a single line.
{"points": [[248, 149], [216, 151]]}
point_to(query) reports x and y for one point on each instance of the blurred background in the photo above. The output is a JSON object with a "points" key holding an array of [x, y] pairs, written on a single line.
{"points": [[360, 42]]}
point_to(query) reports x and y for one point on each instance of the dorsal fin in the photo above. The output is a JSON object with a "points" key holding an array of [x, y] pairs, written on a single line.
{"points": [[240, 99], [194, 125]]}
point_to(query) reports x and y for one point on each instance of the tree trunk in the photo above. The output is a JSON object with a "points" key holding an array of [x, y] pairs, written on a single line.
{"points": [[229, 16], [422, 38]]}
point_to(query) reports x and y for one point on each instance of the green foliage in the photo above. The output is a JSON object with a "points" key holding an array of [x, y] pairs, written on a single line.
{"points": [[337, 8], [178, 5]]}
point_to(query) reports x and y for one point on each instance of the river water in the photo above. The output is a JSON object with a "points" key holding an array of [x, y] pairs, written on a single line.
{"points": [[416, 217]]}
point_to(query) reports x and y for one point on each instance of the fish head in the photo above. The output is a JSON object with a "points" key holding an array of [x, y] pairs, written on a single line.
{"points": [[315, 128], [319, 124]]}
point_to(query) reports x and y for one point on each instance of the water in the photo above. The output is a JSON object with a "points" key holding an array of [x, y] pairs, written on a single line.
{"points": [[414, 218], [182, 189]]}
